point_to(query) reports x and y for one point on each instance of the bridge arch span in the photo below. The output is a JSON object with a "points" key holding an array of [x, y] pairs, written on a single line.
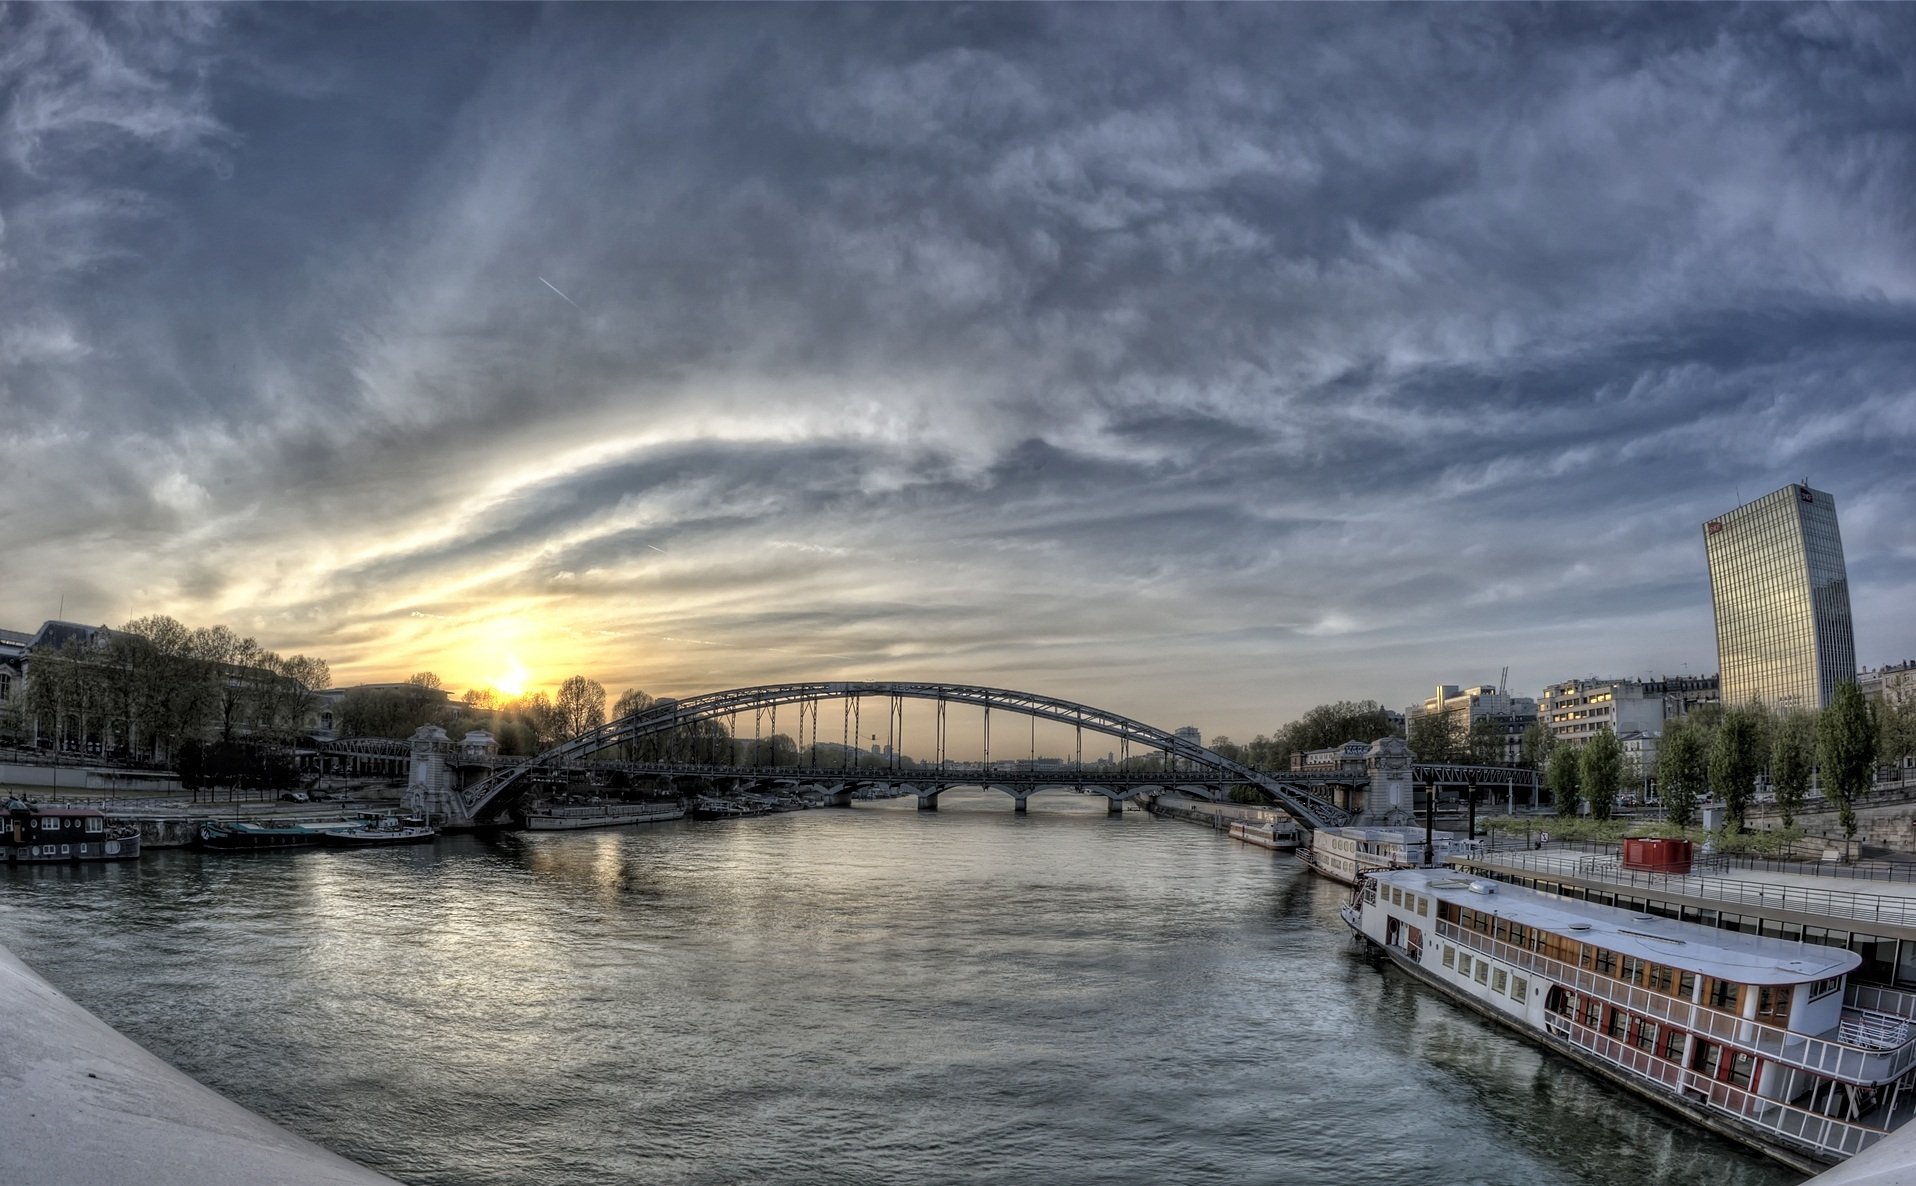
{"points": [[491, 795]]}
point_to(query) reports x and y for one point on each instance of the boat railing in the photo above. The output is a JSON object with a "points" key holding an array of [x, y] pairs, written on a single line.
{"points": [[1835, 1058], [1825, 1134], [1884, 908]]}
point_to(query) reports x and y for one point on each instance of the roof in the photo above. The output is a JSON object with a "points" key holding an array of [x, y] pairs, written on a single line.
{"points": [[15, 637], [1687, 946]]}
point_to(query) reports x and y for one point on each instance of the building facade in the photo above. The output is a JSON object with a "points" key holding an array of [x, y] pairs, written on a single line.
{"points": [[1781, 592], [1576, 710], [1468, 705]]}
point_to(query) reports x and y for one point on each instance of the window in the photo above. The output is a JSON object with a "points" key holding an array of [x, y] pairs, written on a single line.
{"points": [[1519, 988], [1450, 956], [95, 824], [1483, 972], [1423, 904], [1619, 1024], [1463, 965], [1686, 985], [1723, 994], [1593, 1013], [1707, 1058], [1660, 978], [1823, 988], [1632, 970], [1742, 1068], [1647, 1035], [1396, 896], [1673, 1045], [1498, 981]]}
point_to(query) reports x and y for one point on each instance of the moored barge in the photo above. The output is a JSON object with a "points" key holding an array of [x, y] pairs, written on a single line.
{"points": [[1760, 1039], [1345, 854], [1280, 835], [36, 834], [562, 816]]}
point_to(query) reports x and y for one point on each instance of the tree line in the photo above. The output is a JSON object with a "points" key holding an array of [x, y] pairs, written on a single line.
{"points": [[1725, 750], [140, 692]]}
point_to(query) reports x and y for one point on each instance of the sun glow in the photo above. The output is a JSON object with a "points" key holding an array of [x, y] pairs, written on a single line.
{"points": [[512, 681]]}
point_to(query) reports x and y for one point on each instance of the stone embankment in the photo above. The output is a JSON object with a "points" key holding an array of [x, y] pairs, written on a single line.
{"points": [[83, 1105]]}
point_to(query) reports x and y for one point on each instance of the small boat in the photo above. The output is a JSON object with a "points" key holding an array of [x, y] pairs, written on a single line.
{"points": [[710, 807], [37, 835], [371, 831], [1279, 835]]}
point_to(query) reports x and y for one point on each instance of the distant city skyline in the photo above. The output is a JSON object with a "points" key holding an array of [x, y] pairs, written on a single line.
{"points": [[1202, 364]]}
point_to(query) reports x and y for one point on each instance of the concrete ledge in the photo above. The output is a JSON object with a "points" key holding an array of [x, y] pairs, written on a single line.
{"points": [[82, 1105]]}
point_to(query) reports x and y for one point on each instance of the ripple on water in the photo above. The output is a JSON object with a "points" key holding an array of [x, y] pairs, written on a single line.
{"points": [[864, 996]]}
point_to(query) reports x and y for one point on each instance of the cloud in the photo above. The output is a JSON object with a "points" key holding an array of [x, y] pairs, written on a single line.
{"points": [[1218, 360]]}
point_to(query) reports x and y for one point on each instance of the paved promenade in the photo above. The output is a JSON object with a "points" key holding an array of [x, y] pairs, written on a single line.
{"points": [[82, 1105]]}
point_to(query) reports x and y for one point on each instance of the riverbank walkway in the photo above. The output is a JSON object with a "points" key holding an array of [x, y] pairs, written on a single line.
{"points": [[83, 1105]]}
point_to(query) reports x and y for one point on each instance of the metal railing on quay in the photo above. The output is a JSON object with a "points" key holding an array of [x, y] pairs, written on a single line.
{"points": [[1847, 904], [1842, 1060], [1827, 1134]]}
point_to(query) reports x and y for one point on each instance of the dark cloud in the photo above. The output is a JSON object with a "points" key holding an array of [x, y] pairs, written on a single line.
{"points": [[1223, 359]]}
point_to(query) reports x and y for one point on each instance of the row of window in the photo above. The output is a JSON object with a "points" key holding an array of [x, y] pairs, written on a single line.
{"points": [[1484, 972], [1661, 1039]]}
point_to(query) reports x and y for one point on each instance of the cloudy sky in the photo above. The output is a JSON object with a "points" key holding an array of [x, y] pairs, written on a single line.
{"points": [[1200, 363]]}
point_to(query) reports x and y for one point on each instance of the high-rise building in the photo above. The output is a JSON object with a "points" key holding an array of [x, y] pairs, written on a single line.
{"points": [[1783, 635]]}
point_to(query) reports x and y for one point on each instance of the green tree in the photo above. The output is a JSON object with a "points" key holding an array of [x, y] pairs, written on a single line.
{"points": [[1437, 737], [1846, 740], [1602, 772], [1537, 743], [1736, 758], [1896, 729], [1334, 724], [1485, 741], [1682, 770], [1563, 778], [1792, 758]]}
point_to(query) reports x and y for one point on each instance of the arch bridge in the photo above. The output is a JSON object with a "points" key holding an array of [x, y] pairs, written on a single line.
{"points": [[1199, 771]]}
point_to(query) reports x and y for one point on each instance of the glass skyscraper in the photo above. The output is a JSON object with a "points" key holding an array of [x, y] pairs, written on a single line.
{"points": [[1783, 632]]}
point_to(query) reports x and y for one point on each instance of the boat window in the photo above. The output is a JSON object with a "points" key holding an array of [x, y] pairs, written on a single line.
{"points": [[1593, 1012], [1606, 962], [1632, 970], [1519, 988], [1742, 1068], [1619, 1024], [1483, 972], [1707, 1058], [1673, 1045], [1686, 985], [95, 824], [1725, 994], [1498, 981], [1463, 965], [1450, 956], [1823, 988], [1659, 978], [1447, 912], [1423, 904], [1647, 1035]]}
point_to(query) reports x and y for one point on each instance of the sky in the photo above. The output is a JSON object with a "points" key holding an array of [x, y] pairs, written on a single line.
{"points": [[1202, 364]]}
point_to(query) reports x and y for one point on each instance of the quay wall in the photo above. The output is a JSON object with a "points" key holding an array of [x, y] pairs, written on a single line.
{"points": [[81, 1104], [77, 779]]}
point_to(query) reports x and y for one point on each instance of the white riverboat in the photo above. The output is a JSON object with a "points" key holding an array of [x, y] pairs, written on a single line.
{"points": [[1281, 835], [1345, 854], [1760, 1039]]}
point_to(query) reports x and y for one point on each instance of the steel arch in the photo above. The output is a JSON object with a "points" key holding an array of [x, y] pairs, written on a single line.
{"points": [[487, 796]]}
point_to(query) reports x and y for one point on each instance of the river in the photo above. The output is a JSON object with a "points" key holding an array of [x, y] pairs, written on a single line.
{"points": [[871, 995]]}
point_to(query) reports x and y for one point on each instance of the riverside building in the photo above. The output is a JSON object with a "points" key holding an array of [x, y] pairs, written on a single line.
{"points": [[1783, 633]]}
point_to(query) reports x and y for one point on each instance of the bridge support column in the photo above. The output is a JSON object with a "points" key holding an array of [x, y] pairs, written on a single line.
{"points": [[1114, 806], [839, 797], [1018, 803], [928, 801]]}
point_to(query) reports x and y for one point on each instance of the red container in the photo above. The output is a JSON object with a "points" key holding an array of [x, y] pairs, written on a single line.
{"points": [[1653, 855]]}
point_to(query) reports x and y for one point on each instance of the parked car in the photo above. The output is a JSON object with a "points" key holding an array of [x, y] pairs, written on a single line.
{"points": [[294, 797]]}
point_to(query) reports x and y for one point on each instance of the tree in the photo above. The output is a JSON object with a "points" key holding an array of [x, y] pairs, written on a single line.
{"points": [[1846, 739], [1736, 758], [579, 706], [1682, 770], [1896, 729], [1437, 737], [1485, 741], [631, 701], [1792, 757], [1563, 778], [1334, 724], [1534, 751], [1602, 772], [425, 679]]}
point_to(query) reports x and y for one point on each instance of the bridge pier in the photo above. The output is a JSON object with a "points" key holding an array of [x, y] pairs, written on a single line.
{"points": [[1114, 806], [839, 797], [928, 801], [1018, 803]]}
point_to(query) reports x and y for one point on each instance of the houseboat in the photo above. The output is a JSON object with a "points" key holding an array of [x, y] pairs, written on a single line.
{"points": [[1759, 1039], [572, 812], [1281, 834], [38, 835], [1345, 854], [262, 835], [372, 831]]}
